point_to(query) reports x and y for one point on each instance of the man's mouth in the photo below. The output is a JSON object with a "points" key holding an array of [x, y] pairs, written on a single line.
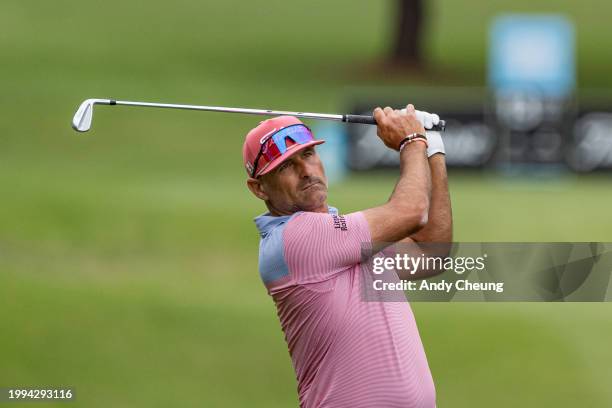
{"points": [[308, 186]]}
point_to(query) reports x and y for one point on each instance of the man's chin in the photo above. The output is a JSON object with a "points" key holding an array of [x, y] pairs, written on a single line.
{"points": [[315, 200]]}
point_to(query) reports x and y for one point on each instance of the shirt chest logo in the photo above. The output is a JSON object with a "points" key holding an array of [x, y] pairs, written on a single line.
{"points": [[339, 222]]}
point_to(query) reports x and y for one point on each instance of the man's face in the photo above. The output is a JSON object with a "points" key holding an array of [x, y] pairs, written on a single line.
{"points": [[297, 184]]}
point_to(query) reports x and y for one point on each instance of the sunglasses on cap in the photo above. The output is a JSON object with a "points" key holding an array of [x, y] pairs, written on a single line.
{"points": [[275, 145]]}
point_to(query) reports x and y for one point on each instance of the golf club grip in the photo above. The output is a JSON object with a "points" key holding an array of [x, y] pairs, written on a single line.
{"points": [[369, 120], [365, 119]]}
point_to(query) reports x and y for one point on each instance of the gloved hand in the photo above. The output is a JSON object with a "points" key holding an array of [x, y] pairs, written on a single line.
{"points": [[434, 139]]}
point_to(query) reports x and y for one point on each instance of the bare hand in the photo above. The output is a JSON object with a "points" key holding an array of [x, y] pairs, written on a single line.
{"points": [[394, 125]]}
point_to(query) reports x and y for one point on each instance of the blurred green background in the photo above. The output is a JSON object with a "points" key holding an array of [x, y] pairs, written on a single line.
{"points": [[128, 255]]}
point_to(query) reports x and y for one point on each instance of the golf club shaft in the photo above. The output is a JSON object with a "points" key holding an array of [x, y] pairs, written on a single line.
{"points": [[364, 119]]}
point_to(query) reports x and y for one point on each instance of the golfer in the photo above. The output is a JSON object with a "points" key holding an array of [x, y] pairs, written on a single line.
{"points": [[345, 352]]}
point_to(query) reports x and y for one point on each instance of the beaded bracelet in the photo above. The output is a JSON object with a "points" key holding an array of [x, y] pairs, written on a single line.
{"points": [[411, 138]]}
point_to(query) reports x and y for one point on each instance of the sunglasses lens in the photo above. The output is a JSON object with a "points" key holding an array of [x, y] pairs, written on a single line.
{"points": [[270, 151], [300, 134], [276, 145]]}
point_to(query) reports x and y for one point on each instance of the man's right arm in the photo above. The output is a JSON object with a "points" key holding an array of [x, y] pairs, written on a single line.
{"points": [[406, 211]]}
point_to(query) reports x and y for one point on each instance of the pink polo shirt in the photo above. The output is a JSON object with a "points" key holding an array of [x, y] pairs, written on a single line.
{"points": [[346, 352]]}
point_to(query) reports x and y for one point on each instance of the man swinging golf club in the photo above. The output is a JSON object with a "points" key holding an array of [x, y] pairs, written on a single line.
{"points": [[345, 352]]}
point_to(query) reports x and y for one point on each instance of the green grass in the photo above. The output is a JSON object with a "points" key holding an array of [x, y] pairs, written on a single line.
{"points": [[128, 255]]}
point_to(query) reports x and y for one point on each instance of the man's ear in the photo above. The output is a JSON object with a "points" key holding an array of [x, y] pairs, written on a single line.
{"points": [[256, 188]]}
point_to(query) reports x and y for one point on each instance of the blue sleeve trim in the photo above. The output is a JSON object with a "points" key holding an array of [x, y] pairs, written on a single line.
{"points": [[272, 264]]}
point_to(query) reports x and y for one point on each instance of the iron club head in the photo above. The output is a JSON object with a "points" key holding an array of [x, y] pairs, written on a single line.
{"points": [[81, 121]]}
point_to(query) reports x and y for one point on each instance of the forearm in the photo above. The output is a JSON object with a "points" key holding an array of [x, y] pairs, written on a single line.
{"points": [[407, 209], [414, 183], [434, 239], [439, 227], [411, 196]]}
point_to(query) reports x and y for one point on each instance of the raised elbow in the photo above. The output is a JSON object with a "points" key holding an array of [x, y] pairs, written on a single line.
{"points": [[421, 215], [417, 216]]}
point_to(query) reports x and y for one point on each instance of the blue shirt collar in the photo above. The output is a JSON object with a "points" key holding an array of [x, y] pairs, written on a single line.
{"points": [[266, 222]]}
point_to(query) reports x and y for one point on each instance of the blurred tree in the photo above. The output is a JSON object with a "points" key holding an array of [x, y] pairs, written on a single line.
{"points": [[407, 39]]}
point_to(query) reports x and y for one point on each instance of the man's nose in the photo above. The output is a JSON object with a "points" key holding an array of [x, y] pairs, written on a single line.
{"points": [[304, 168]]}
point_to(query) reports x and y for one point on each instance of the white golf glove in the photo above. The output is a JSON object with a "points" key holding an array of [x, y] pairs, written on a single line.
{"points": [[434, 138], [434, 143]]}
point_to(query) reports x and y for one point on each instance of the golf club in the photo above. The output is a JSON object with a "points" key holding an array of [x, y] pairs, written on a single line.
{"points": [[84, 114]]}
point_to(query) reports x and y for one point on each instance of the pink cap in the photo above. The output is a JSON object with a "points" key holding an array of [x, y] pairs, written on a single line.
{"points": [[252, 144]]}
